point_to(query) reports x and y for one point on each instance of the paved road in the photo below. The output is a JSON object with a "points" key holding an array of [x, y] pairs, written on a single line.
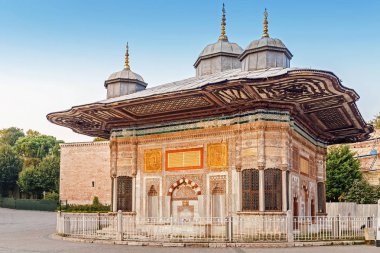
{"points": [[28, 231]]}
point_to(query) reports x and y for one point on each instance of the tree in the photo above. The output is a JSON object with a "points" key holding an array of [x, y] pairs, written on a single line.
{"points": [[342, 169], [10, 166], [10, 135], [376, 121], [361, 192], [35, 146], [40, 178], [99, 139]]}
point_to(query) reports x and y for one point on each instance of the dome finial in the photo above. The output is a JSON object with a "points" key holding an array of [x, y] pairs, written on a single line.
{"points": [[223, 35], [265, 34], [126, 63]]}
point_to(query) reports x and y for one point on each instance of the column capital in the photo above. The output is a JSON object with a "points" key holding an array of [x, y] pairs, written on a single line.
{"points": [[284, 167]]}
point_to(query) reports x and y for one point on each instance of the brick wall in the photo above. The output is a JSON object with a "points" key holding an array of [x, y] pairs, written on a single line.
{"points": [[85, 172]]}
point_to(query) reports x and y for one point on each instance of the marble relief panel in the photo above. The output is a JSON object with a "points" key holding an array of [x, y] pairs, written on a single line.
{"points": [[152, 160], [217, 156]]}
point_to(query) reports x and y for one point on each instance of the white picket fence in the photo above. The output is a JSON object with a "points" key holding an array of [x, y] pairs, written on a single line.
{"points": [[206, 229]]}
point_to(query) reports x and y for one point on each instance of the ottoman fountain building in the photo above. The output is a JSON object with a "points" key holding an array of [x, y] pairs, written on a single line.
{"points": [[246, 136]]}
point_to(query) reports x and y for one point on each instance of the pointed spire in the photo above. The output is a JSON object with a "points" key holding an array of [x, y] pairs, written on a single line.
{"points": [[126, 63], [265, 33], [223, 35]]}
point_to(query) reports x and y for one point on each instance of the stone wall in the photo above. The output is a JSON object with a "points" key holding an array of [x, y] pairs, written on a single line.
{"points": [[351, 209], [85, 172]]}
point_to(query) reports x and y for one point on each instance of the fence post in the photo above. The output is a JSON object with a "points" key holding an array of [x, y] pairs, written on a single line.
{"points": [[98, 227], [229, 232], [289, 226], [83, 224], [378, 225], [339, 227], [59, 223], [119, 235], [66, 225]]}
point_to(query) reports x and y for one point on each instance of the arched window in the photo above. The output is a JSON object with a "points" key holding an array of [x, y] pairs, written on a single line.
{"points": [[250, 190], [273, 189], [124, 194]]}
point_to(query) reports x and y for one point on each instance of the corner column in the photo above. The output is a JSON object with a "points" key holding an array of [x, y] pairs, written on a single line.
{"points": [[284, 191], [114, 194], [113, 172], [261, 166], [261, 189], [285, 160]]}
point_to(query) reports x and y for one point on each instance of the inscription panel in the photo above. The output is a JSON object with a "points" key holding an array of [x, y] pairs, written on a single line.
{"points": [[184, 159]]}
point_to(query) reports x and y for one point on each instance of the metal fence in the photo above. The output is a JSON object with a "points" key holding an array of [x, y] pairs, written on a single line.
{"points": [[230, 229], [333, 228]]}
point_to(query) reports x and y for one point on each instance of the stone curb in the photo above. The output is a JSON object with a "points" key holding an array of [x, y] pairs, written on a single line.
{"points": [[210, 244]]}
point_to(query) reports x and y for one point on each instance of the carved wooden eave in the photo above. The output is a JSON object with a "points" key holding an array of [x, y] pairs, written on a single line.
{"points": [[316, 100]]}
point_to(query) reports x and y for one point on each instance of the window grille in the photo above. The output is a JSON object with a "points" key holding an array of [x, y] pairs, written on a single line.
{"points": [[273, 189], [321, 197], [124, 194], [250, 190]]}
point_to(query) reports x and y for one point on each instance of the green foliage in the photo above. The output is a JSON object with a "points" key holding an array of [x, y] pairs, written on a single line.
{"points": [[10, 165], [10, 135], [96, 206], [376, 121], [99, 139], [95, 201], [52, 196], [40, 178], [342, 169], [34, 147], [361, 192], [37, 146]]}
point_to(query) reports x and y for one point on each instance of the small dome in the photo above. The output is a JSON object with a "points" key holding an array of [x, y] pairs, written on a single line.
{"points": [[266, 42], [221, 47], [125, 74]]}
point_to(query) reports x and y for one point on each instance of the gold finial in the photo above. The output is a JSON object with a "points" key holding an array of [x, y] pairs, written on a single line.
{"points": [[126, 63], [265, 34], [223, 35]]}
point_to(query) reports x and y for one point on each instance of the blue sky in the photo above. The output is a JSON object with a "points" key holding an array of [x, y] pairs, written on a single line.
{"points": [[56, 54]]}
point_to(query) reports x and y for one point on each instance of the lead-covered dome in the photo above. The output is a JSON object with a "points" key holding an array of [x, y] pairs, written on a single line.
{"points": [[266, 52], [124, 82], [219, 56], [125, 74], [220, 47]]}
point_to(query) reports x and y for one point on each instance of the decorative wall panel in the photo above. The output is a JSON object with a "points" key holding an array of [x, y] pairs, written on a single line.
{"points": [[184, 159], [152, 160], [217, 156], [304, 165]]}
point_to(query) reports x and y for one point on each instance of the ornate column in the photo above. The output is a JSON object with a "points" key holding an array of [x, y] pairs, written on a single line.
{"points": [[261, 190], [284, 192], [113, 172], [114, 194], [284, 165], [261, 166]]}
